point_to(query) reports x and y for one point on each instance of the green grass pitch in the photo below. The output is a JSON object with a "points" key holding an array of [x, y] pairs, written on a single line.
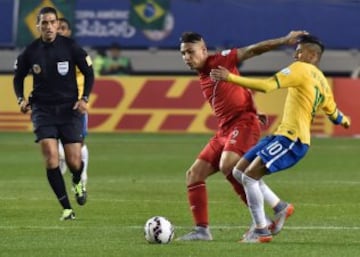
{"points": [[135, 176]]}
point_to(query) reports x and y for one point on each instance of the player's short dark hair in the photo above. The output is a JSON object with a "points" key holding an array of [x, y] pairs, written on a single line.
{"points": [[62, 19], [312, 40], [46, 9], [115, 45], [190, 37]]}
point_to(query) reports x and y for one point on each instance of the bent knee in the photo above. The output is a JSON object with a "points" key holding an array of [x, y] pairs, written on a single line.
{"points": [[228, 161], [197, 175], [226, 169], [193, 176]]}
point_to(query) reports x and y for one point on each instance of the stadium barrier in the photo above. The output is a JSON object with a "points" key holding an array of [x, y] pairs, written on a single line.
{"points": [[172, 104]]}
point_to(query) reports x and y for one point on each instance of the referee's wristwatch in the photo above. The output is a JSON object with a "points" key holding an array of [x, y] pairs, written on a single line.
{"points": [[85, 99], [19, 100]]}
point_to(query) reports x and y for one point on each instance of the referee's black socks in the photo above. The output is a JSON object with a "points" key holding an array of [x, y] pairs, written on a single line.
{"points": [[57, 184]]}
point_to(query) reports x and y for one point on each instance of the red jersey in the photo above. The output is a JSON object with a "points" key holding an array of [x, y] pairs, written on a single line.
{"points": [[228, 101]]}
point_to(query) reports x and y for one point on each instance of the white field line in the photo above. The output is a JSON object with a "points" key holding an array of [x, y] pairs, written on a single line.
{"points": [[105, 200], [215, 181], [137, 227], [154, 201]]}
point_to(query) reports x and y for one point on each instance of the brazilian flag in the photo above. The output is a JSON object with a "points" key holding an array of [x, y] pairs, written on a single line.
{"points": [[149, 14], [27, 15]]}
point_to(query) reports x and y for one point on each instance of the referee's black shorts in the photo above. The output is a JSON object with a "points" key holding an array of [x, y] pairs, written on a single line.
{"points": [[57, 121]]}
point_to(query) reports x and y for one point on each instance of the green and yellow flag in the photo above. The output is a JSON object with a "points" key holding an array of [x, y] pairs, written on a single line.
{"points": [[149, 14], [27, 14]]}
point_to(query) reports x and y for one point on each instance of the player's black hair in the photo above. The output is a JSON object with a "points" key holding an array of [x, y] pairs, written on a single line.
{"points": [[115, 45], [46, 9], [312, 40], [62, 19], [190, 37]]}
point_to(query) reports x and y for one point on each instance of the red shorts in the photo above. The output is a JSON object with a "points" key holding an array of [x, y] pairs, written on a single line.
{"points": [[238, 137]]}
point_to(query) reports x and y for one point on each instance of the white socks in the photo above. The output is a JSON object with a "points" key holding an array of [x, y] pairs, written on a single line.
{"points": [[237, 174], [257, 192], [62, 162], [255, 201], [85, 159], [269, 196]]}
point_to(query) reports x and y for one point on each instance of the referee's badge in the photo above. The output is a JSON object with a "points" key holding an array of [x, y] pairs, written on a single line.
{"points": [[36, 68], [63, 68]]}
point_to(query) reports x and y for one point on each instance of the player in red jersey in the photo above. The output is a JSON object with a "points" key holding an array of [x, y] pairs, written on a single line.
{"points": [[238, 124]]}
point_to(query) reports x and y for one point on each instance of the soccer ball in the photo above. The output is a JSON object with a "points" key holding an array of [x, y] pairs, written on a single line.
{"points": [[158, 230]]}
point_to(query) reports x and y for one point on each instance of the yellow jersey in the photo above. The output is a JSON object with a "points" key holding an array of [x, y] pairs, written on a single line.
{"points": [[80, 82], [308, 90]]}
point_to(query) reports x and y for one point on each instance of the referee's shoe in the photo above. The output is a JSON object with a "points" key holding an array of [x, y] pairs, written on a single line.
{"points": [[67, 214]]}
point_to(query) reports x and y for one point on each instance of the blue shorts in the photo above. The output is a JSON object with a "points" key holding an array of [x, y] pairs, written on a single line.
{"points": [[85, 124], [277, 152]]}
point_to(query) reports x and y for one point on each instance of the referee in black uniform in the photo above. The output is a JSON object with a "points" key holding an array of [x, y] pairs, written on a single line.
{"points": [[56, 112]]}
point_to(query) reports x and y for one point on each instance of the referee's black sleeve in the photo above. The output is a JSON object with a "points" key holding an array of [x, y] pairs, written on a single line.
{"points": [[83, 61], [21, 70]]}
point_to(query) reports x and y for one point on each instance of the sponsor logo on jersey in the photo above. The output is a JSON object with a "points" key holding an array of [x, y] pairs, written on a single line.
{"points": [[285, 71], [225, 52]]}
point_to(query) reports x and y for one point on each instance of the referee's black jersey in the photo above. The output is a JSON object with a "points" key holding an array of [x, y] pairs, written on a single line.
{"points": [[53, 66]]}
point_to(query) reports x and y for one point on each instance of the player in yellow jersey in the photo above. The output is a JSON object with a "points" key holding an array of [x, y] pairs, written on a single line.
{"points": [[65, 30], [308, 91]]}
